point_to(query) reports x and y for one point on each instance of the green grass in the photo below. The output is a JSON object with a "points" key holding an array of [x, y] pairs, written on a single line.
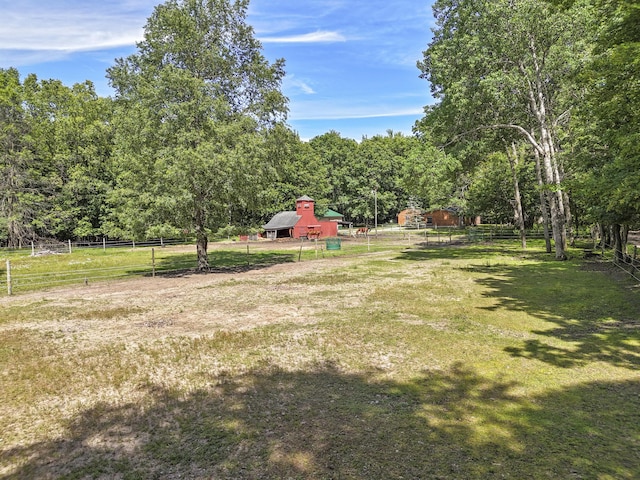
{"points": [[84, 266], [471, 362]]}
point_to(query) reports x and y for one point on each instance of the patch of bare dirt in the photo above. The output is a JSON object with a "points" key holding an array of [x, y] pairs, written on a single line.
{"points": [[189, 305]]}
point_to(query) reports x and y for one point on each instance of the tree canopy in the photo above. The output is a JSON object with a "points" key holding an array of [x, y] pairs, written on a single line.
{"points": [[536, 120], [195, 108]]}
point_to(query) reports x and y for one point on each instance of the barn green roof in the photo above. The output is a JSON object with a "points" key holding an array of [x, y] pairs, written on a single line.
{"points": [[332, 214]]}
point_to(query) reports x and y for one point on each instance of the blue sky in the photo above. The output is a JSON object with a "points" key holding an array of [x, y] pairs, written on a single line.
{"points": [[351, 64]]}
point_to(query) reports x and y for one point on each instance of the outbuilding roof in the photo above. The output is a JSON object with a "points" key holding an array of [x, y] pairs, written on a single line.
{"points": [[332, 214], [305, 198], [282, 221]]}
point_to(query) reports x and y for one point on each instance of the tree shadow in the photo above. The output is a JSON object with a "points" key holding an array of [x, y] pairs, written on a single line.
{"points": [[323, 423], [422, 252], [221, 262], [597, 320]]}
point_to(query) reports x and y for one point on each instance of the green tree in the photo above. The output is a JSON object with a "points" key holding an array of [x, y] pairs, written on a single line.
{"points": [[196, 104], [433, 177], [301, 171], [608, 145], [506, 65], [373, 178], [337, 154], [19, 193], [71, 137]]}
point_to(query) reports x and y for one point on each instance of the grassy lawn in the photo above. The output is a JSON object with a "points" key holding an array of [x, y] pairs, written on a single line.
{"points": [[410, 362], [89, 265]]}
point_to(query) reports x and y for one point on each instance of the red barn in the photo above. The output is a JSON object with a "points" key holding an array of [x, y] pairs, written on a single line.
{"points": [[300, 224], [443, 217]]}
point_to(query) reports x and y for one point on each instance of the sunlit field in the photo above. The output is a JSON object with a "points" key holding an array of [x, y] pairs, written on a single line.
{"points": [[393, 361]]}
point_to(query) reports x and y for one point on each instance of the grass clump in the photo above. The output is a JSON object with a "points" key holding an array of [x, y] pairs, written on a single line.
{"points": [[423, 362]]}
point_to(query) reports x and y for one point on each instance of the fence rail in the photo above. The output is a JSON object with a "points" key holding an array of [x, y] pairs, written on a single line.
{"points": [[69, 246], [18, 279], [629, 263]]}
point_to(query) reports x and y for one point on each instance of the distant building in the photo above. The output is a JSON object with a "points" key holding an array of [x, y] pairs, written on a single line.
{"points": [[332, 216], [302, 223], [411, 218], [442, 217]]}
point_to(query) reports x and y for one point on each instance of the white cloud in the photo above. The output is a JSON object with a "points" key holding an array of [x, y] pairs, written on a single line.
{"points": [[71, 27], [314, 37], [351, 113], [293, 83]]}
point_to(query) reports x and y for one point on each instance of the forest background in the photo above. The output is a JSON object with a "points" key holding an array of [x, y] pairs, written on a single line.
{"points": [[536, 121]]}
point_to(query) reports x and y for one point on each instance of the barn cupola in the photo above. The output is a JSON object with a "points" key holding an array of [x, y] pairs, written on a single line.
{"points": [[305, 207]]}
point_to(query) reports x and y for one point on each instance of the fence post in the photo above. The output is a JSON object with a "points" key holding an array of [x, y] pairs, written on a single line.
{"points": [[9, 277], [153, 262], [69, 246], [33, 250], [104, 244]]}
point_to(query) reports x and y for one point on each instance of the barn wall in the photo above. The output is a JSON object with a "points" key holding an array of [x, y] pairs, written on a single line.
{"points": [[443, 218]]}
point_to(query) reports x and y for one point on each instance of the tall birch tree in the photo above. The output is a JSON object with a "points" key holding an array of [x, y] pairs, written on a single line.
{"points": [[504, 64]]}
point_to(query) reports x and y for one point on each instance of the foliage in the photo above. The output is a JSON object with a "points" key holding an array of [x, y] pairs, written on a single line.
{"points": [[195, 106], [494, 70], [491, 192], [56, 156], [337, 154], [301, 171], [18, 179], [433, 177], [609, 142], [72, 137]]}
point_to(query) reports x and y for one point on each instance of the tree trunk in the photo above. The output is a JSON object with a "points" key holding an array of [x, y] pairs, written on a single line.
{"points": [[544, 202], [562, 197], [617, 238], [538, 104], [569, 219], [555, 199], [201, 248], [513, 162]]}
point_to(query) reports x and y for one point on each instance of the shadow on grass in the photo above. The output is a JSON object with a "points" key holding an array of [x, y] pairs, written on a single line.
{"points": [[482, 251], [326, 424], [595, 318], [221, 262]]}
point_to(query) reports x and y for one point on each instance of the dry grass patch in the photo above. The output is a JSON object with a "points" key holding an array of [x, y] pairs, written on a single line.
{"points": [[432, 363]]}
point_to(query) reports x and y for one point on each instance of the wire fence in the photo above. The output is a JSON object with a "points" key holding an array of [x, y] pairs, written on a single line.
{"points": [[17, 279], [45, 246], [628, 263], [147, 264]]}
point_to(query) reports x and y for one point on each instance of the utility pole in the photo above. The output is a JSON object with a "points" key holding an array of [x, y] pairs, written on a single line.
{"points": [[375, 207]]}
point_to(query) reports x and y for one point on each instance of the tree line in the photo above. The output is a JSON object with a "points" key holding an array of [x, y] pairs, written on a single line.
{"points": [[535, 120]]}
